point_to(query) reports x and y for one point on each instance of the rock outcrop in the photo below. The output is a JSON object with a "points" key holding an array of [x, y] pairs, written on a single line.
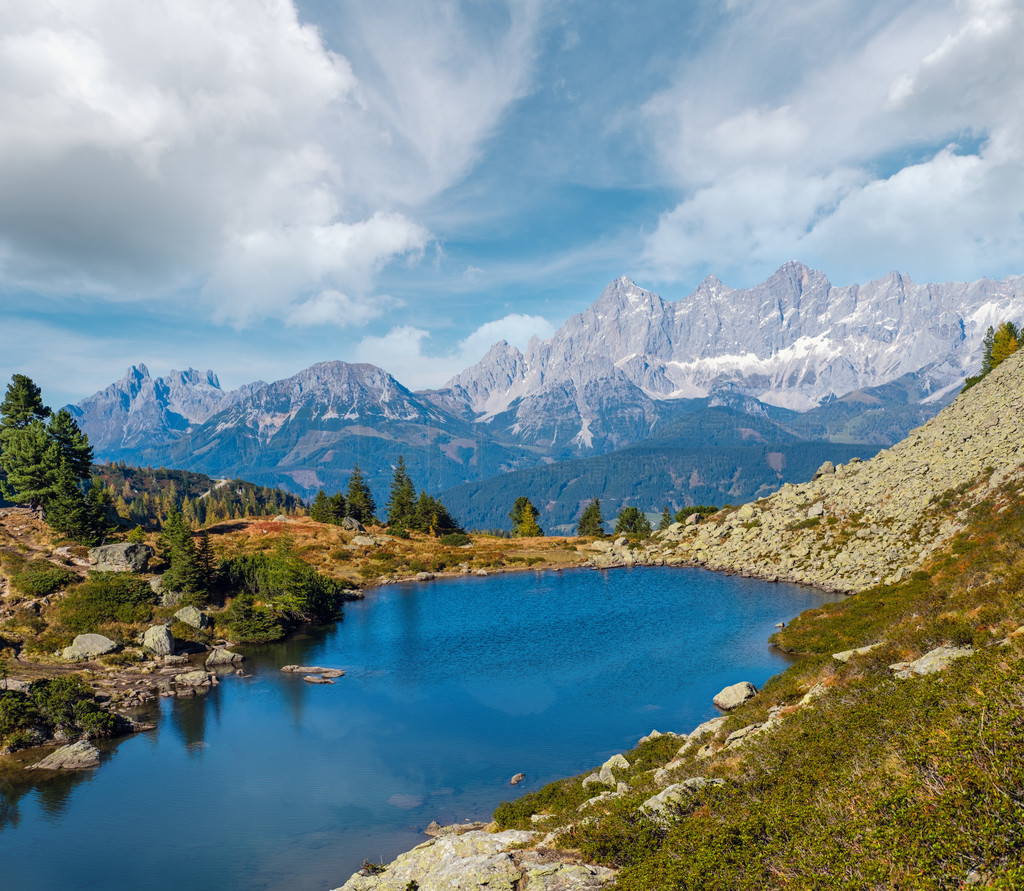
{"points": [[81, 755], [875, 521], [126, 556], [476, 860], [158, 640]]}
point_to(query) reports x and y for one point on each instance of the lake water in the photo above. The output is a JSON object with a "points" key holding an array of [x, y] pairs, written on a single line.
{"points": [[452, 687]]}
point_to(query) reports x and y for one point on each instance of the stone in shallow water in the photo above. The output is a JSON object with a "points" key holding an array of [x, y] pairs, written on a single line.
{"points": [[81, 755]]}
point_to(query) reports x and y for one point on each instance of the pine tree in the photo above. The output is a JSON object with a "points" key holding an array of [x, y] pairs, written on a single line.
{"points": [[320, 510], [336, 508], [591, 523], [67, 512], [524, 518], [179, 550], [402, 500], [72, 443], [359, 503], [23, 403], [30, 461], [631, 521], [666, 520]]}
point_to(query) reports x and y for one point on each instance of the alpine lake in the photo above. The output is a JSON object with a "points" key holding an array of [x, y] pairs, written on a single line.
{"points": [[451, 688]]}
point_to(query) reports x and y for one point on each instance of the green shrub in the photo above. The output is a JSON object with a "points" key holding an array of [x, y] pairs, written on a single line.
{"points": [[106, 597], [455, 539], [39, 578], [248, 622], [67, 704]]}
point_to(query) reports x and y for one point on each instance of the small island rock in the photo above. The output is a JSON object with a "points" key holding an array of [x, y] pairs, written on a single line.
{"points": [[81, 755]]}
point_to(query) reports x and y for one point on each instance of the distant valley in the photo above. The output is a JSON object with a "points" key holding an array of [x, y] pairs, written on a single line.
{"points": [[719, 397]]}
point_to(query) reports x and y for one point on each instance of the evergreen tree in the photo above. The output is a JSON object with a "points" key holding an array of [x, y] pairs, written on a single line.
{"points": [[359, 503], [591, 523], [319, 510], [402, 500], [30, 461], [204, 557], [179, 551], [336, 508], [666, 520], [999, 344], [524, 518], [67, 512], [72, 443], [631, 521], [431, 516], [23, 404]]}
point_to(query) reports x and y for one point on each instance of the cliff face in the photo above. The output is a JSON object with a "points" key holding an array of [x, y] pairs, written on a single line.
{"points": [[874, 521]]}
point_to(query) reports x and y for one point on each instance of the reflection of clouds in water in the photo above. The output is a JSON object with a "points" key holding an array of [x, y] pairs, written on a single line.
{"points": [[511, 699], [406, 802]]}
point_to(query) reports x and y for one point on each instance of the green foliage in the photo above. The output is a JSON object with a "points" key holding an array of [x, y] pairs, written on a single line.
{"points": [[62, 704], [704, 510], [285, 585], [402, 499], [524, 518], [104, 598], [39, 578], [999, 344], [591, 522], [249, 622], [631, 521], [665, 521], [184, 572], [455, 539], [359, 503]]}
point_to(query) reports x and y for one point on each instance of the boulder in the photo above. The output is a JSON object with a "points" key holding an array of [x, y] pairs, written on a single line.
{"points": [[158, 640], [847, 655], [735, 695], [77, 756], [126, 556], [222, 656], [364, 541], [190, 615], [517, 779], [931, 662], [424, 576], [88, 646], [197, 678], [826, 469], [352, 524], [661, 806]]}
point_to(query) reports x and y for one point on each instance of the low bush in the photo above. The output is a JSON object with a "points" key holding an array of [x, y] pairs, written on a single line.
{"points": [[40, 578], [105, 598]]}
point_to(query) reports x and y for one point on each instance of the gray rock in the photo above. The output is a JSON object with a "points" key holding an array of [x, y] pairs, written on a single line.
{"points": [[352, 525], [475, 860], [190, 615], [127, 556], [517, 779], [364, 541], [222, 656], [197, 678], [826, 469], [931, 662], [424, 576], [77, 756], [847, 655], [158, 640], [88, 646], [660, 806], [734, 696]]}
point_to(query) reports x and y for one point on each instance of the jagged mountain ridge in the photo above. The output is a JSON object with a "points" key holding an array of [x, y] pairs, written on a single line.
{"points": [[308, 431], [139, 410], [793, 341]]}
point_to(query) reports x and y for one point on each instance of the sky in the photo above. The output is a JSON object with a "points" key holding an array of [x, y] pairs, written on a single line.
{"points": [[252, 186]]}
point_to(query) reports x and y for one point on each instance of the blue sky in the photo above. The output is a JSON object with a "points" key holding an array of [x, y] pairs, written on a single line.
{"points": [[254, 187]]}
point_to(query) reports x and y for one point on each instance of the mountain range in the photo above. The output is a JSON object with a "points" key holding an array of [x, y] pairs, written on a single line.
{"points": [[809, 361]]}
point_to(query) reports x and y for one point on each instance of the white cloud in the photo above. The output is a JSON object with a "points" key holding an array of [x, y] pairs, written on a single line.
{"points": [[833, 135], [402, 353], [162, 147]]}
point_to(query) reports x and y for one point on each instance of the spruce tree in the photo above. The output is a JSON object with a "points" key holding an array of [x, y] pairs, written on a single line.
{"points": [[23, 403], [524, 518], [402, 500], [359, 503], [30, 461], [631, 521], [72, 443], [67, 512], [666, 520], [177, 548], [591, 523], [320, 510]]}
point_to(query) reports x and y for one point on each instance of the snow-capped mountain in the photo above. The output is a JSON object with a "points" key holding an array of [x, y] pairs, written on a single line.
{"points": [[794, 341], [139, 411]]}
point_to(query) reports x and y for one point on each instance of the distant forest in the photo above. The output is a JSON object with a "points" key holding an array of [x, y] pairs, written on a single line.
{"points": [[144, 496]]}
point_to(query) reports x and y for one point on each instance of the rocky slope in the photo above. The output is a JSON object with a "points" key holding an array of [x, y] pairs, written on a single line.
{"points": [[863, 523]]}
